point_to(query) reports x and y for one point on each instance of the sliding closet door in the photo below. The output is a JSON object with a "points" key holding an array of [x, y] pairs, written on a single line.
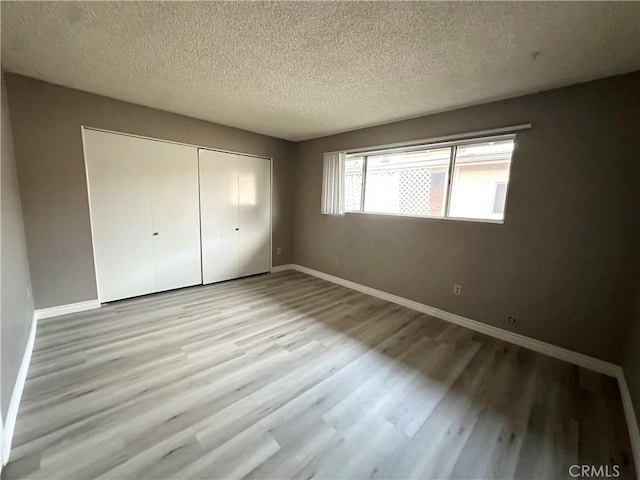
{"points": [[121, 220], [175, 214], [219, 215], [145, 218], [254, 215]]}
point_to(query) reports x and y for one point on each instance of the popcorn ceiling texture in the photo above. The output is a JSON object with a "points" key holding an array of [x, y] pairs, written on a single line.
{"points": [[298, 70]]}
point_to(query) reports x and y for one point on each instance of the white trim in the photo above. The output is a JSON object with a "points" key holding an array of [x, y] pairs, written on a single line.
{"points": [[93, 240], [282, 268], [432, 217], [630, 415], [270, 213], [576, 358], [16, 395], [444, 138], [66, 309]]}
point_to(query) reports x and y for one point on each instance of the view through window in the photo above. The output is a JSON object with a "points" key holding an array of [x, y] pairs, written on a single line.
{"points": [[465, 180]]}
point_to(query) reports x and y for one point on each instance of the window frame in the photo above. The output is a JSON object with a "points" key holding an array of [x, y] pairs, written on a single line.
{"points": [[496, 184], [453, 146]]}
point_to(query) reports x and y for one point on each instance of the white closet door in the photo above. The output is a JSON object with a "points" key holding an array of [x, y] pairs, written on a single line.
{"points": [[219, 215], [254, 182], [176, 214], [145, 217], [120, 199]]}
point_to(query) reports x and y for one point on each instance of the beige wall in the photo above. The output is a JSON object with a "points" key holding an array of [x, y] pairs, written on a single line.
{"points": [[46, 122], [565, 262], [16, 306]]}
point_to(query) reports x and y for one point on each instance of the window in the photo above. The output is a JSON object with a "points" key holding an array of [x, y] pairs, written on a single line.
{"points": [[466, 179], [353, 170], [478, 170]]}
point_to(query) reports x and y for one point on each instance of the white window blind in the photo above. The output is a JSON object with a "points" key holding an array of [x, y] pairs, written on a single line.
{"points": [[333, 183]]}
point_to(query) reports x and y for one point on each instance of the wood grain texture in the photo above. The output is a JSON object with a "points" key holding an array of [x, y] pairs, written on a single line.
{"points": [[288, 376]]}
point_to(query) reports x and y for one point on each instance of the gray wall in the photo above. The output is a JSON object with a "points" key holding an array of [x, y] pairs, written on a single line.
{"points": [[631, 360], [46, 124], [16, 306], [565, 262]]}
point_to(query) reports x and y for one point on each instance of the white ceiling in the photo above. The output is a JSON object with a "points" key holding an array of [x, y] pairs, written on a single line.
{"points": [[298, 70]]}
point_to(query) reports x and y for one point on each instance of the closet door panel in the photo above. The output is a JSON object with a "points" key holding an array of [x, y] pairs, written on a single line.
{"points": [[219, 215], [120, 199], [175, 214], [254, 198]]}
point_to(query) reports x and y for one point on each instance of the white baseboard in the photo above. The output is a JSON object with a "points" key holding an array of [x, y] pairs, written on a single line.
{"points": [[16, 395], [632, 421], [66, 309], [282, 268], [570, 356]]}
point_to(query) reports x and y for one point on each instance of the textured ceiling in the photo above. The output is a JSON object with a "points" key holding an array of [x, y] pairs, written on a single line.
{"points": [[299, 70]]}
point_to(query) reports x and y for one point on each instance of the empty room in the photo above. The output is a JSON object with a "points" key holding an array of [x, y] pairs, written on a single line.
{"points": [[332, 240]]}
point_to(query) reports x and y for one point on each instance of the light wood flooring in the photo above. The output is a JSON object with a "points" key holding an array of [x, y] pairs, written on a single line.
{"points": [[288, 376]]}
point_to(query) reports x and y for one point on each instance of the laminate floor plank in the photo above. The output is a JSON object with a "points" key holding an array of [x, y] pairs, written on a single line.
{"points": [[288, 376]]}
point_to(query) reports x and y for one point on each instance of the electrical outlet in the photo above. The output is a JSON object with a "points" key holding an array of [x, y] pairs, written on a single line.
{"points": [[457, 289], [278, 251], [512, 319]]}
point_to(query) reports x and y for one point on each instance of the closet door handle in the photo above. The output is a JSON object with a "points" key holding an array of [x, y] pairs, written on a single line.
{"points": [[237, 229], [155, 234]]}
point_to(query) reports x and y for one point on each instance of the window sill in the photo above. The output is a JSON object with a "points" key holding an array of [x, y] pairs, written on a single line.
{"points": [[430, 217]]}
